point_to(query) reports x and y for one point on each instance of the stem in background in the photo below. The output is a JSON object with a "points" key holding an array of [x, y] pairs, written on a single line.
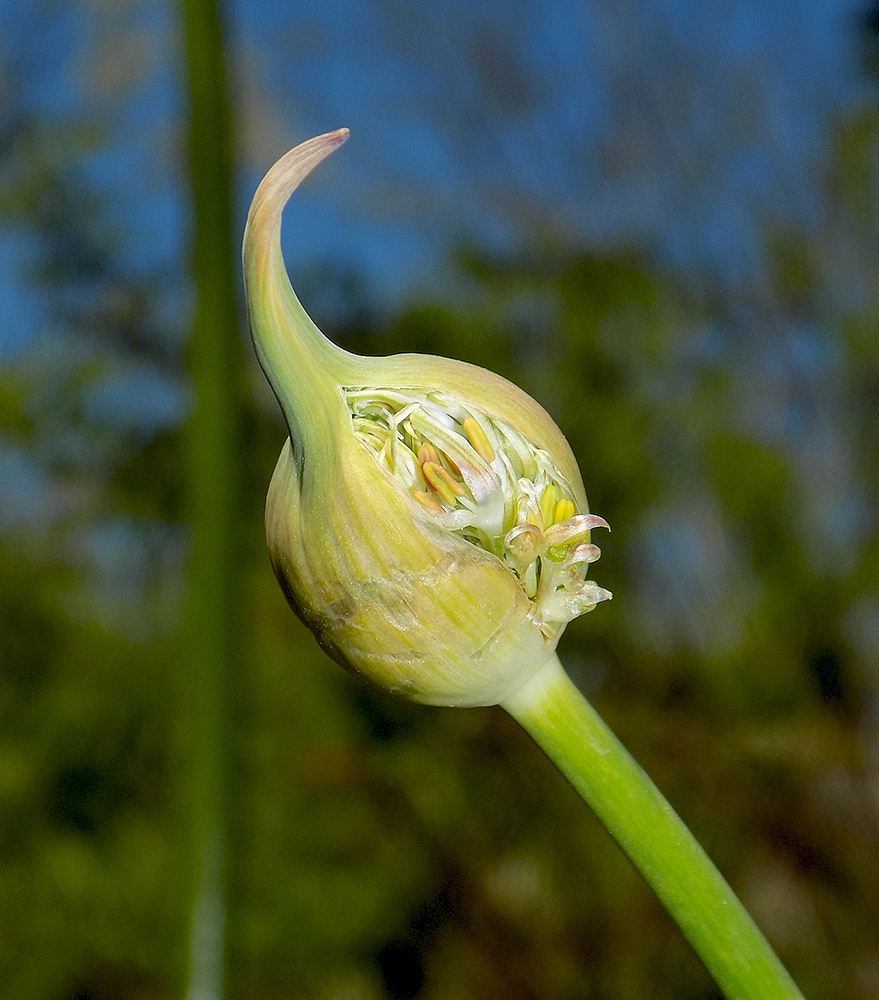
{"points": [[214, 456], [560, 720]]}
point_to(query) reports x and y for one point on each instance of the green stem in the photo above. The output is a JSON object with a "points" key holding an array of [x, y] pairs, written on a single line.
{"points": [[213, 463], [566, 727]]}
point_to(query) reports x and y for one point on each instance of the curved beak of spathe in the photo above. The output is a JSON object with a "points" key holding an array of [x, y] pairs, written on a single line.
{"points": [[426, 519]]}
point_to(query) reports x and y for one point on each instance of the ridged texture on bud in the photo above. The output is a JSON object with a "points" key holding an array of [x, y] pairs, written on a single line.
{"points": [[426, 518]]}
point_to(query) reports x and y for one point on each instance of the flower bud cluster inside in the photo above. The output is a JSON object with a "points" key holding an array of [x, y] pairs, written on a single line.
{"points": [[481, 479]]}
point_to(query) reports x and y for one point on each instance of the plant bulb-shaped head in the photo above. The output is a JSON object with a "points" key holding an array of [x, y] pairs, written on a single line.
{"points": [[426, 518]]}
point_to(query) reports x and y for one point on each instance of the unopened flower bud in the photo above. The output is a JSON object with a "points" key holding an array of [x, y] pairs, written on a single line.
{"points": [[426, 518]]}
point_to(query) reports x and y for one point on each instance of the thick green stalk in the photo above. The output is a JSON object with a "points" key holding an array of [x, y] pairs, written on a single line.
{"points": [[214, 456], [570, 732]]}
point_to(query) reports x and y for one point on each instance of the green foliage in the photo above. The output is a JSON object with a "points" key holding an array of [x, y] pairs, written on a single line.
{"points": [[87, 836]]}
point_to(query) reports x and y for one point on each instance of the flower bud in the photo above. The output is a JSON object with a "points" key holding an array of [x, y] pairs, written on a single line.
{"points": [[426, 518]]}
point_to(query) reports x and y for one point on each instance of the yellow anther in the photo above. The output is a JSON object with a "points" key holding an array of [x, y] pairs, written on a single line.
{"points": [[456, 487], [548, 505], [563, 510], [427, 501], [477, 437], [437, 477], [452, 465], [427, 453]]}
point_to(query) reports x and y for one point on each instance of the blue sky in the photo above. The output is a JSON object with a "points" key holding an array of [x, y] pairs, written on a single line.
{"points": [[678, 128]]}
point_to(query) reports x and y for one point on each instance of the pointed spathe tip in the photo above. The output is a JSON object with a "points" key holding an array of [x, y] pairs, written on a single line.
{"points": [[286, 175]]}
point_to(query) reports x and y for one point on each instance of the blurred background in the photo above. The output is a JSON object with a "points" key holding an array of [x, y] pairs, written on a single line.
{"points": [[659, 218]]}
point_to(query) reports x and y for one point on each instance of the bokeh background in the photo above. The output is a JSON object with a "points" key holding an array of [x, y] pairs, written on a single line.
{"points": [[657, 216]]}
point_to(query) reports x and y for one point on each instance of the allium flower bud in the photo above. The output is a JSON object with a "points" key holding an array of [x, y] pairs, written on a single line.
{"points": [[426, 518]]}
